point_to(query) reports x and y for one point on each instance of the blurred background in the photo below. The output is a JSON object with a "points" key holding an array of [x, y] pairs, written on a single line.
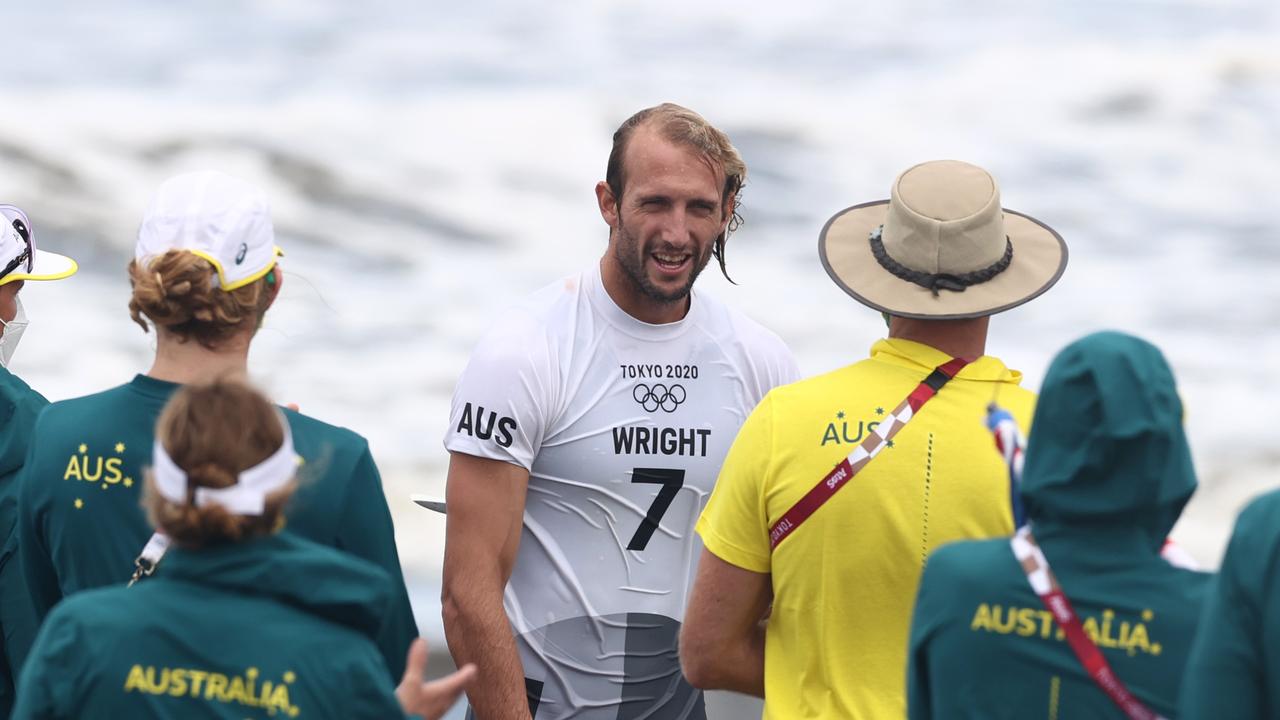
{"points": [[430, 163]]}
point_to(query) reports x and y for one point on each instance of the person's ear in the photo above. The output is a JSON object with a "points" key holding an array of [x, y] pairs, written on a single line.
{"points": [[275, 279], [730, 206], [608, 203]]}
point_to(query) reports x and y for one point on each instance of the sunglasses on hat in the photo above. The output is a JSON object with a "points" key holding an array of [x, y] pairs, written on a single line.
{"points": [[28, 254]]}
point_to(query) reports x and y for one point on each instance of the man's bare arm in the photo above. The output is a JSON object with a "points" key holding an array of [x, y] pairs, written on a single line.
{"points": [[722, 638], [486, 507]]}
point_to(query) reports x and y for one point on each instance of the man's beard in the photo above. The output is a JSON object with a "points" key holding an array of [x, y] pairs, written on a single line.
{"points": [[632, 261]]}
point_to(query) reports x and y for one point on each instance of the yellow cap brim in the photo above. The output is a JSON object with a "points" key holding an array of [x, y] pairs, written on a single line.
{"points": [[47, 266]]}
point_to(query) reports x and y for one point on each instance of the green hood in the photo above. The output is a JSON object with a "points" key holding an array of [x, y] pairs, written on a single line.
{"points": [[316, 579], [1107, 446]]}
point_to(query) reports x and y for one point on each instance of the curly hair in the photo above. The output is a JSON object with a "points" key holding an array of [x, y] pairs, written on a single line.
{"points": [[214, 432], [683, 126], [179, 291]]}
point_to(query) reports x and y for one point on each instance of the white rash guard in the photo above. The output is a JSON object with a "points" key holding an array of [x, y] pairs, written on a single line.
{"points": [[623, 426]]}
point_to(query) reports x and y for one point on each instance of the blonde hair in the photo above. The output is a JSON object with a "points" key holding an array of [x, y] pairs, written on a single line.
{"points": [[214, 432], [683, 126], [179, 292]]}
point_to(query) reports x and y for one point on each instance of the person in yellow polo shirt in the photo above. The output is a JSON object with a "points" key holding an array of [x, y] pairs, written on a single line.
{"points": [[830, 557]]}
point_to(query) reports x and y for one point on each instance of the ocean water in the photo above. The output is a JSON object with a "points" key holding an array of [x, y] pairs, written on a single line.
{"points": [[429, 163]]}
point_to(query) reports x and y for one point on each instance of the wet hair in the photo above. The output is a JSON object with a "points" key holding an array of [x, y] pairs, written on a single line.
{"points": [[684, 127], [214, 432], [179, 291]]}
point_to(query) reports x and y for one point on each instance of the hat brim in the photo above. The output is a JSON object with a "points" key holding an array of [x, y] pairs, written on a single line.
{"points": [[229, 283], [46, 266], [1039, 259]]}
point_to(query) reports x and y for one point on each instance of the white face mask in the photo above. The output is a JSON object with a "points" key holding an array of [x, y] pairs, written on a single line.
{"points": [[13, 330]]}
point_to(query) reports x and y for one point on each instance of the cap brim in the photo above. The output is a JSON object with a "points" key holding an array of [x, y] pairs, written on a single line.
{"points": [[1039, 259], [47, 266]]}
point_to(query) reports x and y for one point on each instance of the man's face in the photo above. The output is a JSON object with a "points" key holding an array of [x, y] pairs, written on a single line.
{"points": [[9, 301], [665, 224]]}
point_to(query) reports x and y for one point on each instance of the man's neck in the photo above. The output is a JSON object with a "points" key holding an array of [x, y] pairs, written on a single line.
{"points": [[965, 339], [188, 362], [634, 302]]}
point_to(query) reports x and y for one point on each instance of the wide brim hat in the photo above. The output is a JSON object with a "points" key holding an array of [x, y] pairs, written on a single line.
{"points": [[941, 247], [17, 245]]}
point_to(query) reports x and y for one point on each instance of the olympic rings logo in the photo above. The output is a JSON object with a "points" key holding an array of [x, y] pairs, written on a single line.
{"points": [[658, 396]]}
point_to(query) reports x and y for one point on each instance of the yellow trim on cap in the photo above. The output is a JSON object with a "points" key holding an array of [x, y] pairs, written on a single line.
{"points": [[222, 277], [56, 276]]}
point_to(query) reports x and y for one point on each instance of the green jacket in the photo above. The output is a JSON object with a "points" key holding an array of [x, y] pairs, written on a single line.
{"points": [[1234, 671], [275, 627], [1107, 473], [82, 524], [19, 406]]}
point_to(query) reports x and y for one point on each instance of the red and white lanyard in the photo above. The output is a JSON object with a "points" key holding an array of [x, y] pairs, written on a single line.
{"points": [[1045, 585], [875, 441]]}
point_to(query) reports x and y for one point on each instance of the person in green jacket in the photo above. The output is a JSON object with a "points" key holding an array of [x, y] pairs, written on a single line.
{"points": [[1234, 670], [244, 620], [20, 261], [1107, 473], [204, 274]]}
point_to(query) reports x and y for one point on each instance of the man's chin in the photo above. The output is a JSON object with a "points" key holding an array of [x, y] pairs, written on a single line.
{"points": [[662, 288], [668, 291]]}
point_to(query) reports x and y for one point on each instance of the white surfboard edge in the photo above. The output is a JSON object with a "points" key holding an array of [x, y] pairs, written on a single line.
{"points": [[430, 502]]}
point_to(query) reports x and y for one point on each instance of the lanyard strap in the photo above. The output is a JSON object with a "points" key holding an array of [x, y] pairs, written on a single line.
{"points": [[150, 557], [1046, 586], [1010, 445], [864, 452]]}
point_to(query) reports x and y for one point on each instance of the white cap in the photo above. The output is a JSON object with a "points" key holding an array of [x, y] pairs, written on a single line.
{"points": [[32, 264], [220, 218]]}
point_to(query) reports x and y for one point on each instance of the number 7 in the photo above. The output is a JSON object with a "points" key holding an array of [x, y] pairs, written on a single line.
{"points": [[671, 480]]}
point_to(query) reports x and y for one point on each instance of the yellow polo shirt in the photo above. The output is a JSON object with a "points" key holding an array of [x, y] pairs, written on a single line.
{"points": [[844, 581]]}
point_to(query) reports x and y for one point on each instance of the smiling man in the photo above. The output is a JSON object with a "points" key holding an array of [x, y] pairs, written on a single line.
{"points": [[585, 435]]}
